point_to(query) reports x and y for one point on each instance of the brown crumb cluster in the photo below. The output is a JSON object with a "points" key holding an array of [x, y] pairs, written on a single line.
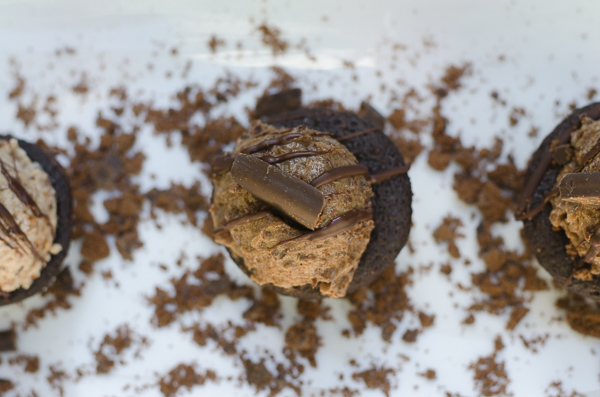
{"points": [[113, 346], [184, 376], [582, 316], [490, 375], [376, 378], [447, 233]]}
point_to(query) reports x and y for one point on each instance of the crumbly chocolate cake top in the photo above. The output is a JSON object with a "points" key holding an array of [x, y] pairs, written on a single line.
{"points": [[274, 250]]}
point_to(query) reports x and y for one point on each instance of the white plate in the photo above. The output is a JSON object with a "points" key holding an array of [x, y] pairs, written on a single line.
{"points": [[532, 53]]}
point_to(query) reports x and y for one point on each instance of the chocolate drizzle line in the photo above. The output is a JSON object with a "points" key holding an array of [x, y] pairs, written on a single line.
{"points": [[524, 212], [243, 219], [9, 226], [337, 226], [338, 173], [358, 133], [17, 188], [288, 156], [387, 174], [278, 141]]}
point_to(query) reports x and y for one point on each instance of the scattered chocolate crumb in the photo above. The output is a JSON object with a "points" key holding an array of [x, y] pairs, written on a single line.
{"points": [[555, 390], [19, 88], [429, 374], [94, 246], [30, 364], [179, 199], [112, 347], [214, 43], [271, 37], [60, 292], [56, 378], [516, 315], [582, 316], [383, 303], [533, 343], [376, 378], [447, 233], [303, 338], [410, 335], [489, 374], [6, 385], [446, 269], [184, 376]]}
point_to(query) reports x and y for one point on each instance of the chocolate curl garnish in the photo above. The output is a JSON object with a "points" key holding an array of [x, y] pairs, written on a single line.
{"points": [[292, 196], [582, 188]]}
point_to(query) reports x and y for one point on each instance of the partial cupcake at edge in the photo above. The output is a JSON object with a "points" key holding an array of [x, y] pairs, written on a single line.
{"points": [[560, 203], [314, 202], [35, 219]]}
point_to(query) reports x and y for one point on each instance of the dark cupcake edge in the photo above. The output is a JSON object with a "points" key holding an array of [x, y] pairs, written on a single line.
{"points": [[548, 244], [383, 248], [64, 209]]}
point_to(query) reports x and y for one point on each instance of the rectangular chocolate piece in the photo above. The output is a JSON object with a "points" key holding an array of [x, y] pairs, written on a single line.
{"points": [[292, 196], [369, 113], [581, 187], [282, 102], [7, 340]]}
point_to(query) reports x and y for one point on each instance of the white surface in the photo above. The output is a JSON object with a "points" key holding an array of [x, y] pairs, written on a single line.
{"points": [[549, 51]]}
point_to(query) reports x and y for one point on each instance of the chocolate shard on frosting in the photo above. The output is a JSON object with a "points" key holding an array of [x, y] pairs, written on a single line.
{"points": [[582, 188], [294, 197]]}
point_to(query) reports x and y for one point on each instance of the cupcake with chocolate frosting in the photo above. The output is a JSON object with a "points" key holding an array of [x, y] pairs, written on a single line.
{"points": [[35, 219], [560, 203], [299, 203]]}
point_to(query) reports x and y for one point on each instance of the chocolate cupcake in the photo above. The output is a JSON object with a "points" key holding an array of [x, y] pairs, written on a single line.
{"points": [[560, 203], [312, 203], [35, 219]]}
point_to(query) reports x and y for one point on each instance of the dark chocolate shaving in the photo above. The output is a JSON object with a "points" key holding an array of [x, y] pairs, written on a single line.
{"points": [[582, 188], [338, 173], [594, 246], [8, 340], [294, 197], [284, 101], [369, 113], [588, 156], [337, 226], [562, 154], [221, 164]]}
